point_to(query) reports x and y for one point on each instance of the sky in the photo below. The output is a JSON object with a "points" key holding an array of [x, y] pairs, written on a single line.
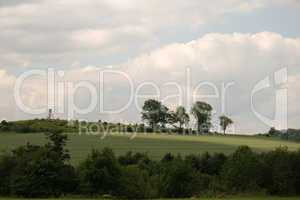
{"points": [[108, 56]]}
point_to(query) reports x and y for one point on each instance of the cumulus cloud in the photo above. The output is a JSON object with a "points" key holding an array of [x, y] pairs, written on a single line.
{"points": [[223, 55], [55, 33], [244, 59], [134, 36], [237, 60], [6, 80]]}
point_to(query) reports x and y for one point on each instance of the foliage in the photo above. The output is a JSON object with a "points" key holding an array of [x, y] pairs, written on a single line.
{"points": [[282, 174], [179, 117], [154, 113], [177, 179], [7, 163], [39, 171], [242, 172], [225, 122], [43, 171], [202, 113], [37, 126], [135, 183], [100, 173], [290, 134]]}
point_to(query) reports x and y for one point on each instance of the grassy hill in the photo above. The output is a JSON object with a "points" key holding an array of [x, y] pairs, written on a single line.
{"points": [[236, 198], [155, 145]]}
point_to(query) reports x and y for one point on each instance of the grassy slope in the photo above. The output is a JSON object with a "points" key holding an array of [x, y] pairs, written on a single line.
{"points": [[236, 198], [155, 145]]}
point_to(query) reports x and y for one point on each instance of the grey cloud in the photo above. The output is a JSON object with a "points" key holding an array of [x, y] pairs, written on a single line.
{"points": [[5, 3], [40, 34], [39, 29]]}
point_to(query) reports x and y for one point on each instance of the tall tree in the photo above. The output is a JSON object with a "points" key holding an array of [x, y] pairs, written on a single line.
{"points": [[181, 116], [202, 113], [57, 142], [154, 113], [225, 122]]}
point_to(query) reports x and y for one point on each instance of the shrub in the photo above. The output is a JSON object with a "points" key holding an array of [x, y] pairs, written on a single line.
{"points": [[100, 173], [177, 178], [41, 175], [41, 171], [283, 172], [131, 158], [206, 163], [135, 184], [7, 164], [242, 172]]}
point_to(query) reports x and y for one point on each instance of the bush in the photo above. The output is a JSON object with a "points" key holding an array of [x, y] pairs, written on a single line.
{"points": [[100, 173], [40, 171], [7, 164], [135, 184], [206, 163], [283, 172], [43, 171], [177, 179], [242, 171], [42, 176], [131, 158]]}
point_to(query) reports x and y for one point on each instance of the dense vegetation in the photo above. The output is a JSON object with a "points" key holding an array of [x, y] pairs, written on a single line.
{"points": [[38, 126], [44, 171], [289, 134]]}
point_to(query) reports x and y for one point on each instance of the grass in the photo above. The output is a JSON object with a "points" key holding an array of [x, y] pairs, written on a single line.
{"points": [[235, 198], [155, 145]]}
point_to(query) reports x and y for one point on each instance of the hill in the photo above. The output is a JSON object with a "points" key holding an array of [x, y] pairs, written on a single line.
{"points": [[154, 144]]}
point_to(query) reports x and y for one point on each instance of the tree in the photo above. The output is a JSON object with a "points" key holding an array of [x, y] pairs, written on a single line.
{"points": [[178, 117], [154, 113], [4, 125], [282, 174], [7, 164], [134, 183], [243, 171], [182, 116], [225, 122], [57, 142], [177, 179], [41, 171], [202, 113], [100, 173], [274, 132]]}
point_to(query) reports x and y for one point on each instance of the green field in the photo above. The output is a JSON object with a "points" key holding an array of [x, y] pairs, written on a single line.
{"points": [[241, 198], [155, 145]]}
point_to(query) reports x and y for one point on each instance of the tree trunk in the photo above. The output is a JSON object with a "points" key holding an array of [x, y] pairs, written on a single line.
{"points": [[153, 126]]}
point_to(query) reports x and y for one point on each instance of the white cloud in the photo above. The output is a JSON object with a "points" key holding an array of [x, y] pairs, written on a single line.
{"points": [[6, 80], [135, 33], [57, 32], [223, 55], [92, 38], [244, 59]]}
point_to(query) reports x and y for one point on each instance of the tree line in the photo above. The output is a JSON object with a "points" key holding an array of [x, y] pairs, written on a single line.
{"points": [[289, 134], [158, 116], [44, 171]]}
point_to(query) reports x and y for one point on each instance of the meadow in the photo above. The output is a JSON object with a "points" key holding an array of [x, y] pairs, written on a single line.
{"points": [[154, 144], [235, 198]]}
